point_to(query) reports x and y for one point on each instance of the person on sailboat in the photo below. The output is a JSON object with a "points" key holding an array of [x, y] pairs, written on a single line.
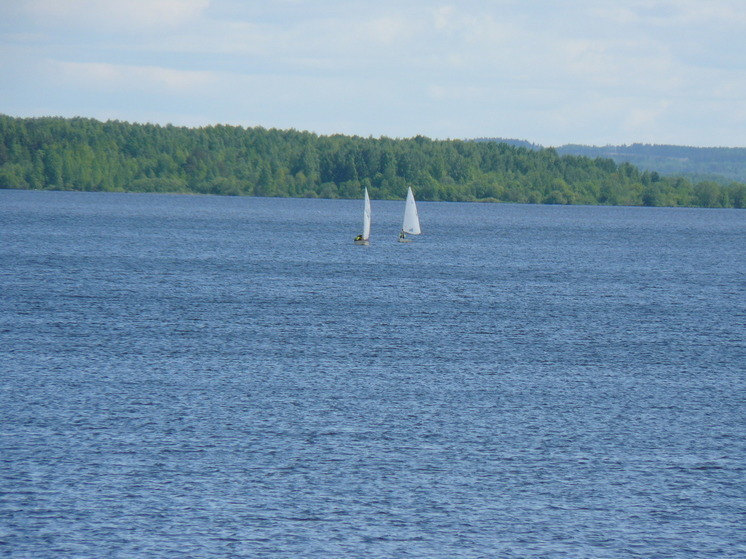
{"points": [[359, 238], [401, 235]]}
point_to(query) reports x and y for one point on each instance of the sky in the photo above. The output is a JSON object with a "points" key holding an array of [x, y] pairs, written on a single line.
{"points": [[594, 72]]}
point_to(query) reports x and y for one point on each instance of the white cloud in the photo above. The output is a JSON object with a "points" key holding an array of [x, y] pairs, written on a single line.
{"points": [[105, 76], [455, 93], [645, 118], [576, 71], [116, 14], [673, 13], [618, 64]]}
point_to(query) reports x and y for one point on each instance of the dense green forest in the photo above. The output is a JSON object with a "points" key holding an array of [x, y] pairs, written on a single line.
{"points": [[86, 154]]}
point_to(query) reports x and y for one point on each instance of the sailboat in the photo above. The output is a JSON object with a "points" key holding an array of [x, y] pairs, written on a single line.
{"points": [[411, 223], [364, 238]]}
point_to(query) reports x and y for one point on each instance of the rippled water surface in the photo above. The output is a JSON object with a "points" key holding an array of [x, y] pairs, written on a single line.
{"points": [[189, 376]]}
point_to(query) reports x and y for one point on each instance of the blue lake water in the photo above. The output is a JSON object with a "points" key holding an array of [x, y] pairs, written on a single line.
{"points": [[186, 376]]}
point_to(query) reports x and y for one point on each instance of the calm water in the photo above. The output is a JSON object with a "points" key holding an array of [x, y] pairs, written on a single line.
{"points": [[231, 377]]}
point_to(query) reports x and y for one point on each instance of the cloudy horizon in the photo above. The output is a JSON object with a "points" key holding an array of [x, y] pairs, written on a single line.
{"points": [[552, 73]]}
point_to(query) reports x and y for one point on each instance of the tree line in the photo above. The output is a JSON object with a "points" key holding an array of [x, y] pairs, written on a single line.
{"points": [[89, 155]]}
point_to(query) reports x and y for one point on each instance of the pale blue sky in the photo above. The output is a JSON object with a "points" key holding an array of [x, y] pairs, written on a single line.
{"points": [[551, 72]]}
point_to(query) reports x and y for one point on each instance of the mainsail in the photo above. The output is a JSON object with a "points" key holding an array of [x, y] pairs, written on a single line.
{"points": [[366, 217], [363, 238], [411, 223]]}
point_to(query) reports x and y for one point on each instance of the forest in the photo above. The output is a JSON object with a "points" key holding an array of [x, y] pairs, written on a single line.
{"points": [[85, 154]]}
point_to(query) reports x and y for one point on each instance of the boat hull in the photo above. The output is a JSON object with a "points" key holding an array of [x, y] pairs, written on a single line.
{"points": [[362, 243]]}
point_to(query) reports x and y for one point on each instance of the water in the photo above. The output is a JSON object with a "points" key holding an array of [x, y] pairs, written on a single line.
{"points": [[231, 377]]}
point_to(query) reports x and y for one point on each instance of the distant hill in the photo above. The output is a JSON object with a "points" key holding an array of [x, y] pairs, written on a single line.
{"points": [[512, 142], [728, 164], [720, 164]]}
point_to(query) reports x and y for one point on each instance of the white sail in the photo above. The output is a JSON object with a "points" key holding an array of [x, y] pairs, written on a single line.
{"points": [[366, 217], [411, 223], [362, 239]]}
